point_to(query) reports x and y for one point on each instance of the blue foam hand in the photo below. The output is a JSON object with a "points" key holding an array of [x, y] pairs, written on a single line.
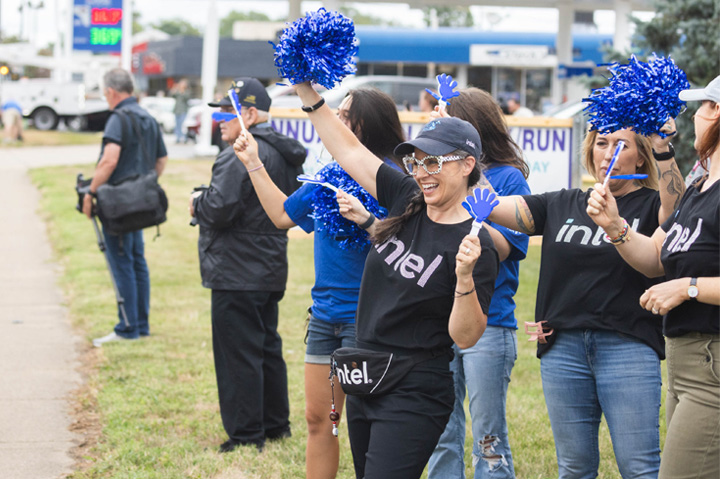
{"points": [[480, 204], [446, 87]]}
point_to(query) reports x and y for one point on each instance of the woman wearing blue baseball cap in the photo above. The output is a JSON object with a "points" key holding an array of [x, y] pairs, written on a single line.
{"points": [[427, 283], [686, 250]]}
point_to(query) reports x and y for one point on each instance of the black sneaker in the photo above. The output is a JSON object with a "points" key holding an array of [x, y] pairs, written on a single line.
{"points": [[230, 445], [277, 435]]}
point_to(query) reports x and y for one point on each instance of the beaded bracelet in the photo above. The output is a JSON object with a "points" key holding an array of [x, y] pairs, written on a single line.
{"points": [[622, 237]]}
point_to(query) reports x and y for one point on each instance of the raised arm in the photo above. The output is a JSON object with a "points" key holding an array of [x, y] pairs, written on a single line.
{"points": [[672, 186], [640, 252], [511, 212], [340, 142], [271, 197]]}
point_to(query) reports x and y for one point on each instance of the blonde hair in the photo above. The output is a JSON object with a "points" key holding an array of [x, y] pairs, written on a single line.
{"points": [[644, 148]]}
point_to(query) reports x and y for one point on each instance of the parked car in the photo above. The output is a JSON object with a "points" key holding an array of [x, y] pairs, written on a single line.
{"points": [[161, 108], [404, 90]]}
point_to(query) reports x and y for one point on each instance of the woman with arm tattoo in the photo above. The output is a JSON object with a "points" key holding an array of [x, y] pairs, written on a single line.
{"points": [[602, 352]]}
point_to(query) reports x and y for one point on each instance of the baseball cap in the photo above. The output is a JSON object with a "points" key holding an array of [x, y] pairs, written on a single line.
{"points": [[250, 92], [710, 92], [442, 136]]}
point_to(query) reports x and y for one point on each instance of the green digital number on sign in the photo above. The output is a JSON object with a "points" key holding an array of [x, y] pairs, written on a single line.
{"points": [[105, 36]]}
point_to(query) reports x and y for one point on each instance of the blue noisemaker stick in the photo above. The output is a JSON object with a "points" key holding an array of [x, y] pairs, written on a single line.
{"points": [[480, 204], [236, 104], [316, 181], [222, 116], [615, 156], [639, 176]]}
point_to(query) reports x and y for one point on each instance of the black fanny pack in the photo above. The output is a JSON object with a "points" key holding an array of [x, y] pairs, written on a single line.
{"points": [[364, 372]]}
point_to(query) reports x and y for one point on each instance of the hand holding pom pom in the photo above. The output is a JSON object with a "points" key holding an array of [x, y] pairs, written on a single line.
{"points": [[319, 47], [641, 95]]}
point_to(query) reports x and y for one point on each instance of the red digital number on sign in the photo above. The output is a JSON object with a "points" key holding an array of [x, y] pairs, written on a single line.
{"points": [[106, 16]]}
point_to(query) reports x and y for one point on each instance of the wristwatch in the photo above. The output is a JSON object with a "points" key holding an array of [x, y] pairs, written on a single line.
{"points": [[668, 155], [693, 289]]}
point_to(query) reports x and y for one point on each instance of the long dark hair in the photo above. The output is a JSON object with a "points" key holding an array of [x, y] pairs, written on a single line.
{"points": [[480, 109], [374, 119], [391, 226]]}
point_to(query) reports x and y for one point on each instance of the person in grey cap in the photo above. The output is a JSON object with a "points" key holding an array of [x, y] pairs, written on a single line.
{"points": [[427, 282], [243, 260], [685, 252]]}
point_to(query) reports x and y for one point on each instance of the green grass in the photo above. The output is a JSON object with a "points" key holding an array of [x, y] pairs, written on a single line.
{"points": [[33, 137], [156, 400]]}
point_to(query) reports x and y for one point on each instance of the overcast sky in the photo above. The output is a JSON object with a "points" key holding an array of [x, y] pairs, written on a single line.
{"points": [[41, 24]]}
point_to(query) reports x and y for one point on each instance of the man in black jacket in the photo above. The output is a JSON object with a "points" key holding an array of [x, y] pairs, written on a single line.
{"points": [[243, 260]]}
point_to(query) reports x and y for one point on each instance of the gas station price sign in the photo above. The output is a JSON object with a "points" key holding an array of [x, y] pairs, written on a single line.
{"points": [[97, 25]]}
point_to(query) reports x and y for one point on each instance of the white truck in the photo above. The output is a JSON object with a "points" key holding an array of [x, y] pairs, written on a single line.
{"points": [[47, 102]]}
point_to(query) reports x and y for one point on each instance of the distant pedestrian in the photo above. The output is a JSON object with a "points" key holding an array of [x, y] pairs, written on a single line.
{"points": [[515, 108], [181, 93], [12, 121], [427, 102], [118, 162]]}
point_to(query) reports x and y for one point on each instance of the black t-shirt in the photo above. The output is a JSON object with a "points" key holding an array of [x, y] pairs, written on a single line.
{"points": [[584, 282], [692, 249], [406, 293]]}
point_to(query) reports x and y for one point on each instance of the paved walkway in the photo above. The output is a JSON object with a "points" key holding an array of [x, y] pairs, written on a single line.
{"points": [[38, 348]]}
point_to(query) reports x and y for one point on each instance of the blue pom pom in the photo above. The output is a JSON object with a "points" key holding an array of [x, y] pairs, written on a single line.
{"points": [[641, 96], [330, 221], [319, 47]]}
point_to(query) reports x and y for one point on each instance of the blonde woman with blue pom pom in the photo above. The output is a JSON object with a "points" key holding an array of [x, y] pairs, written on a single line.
{"points": [[685, 252], [340, 248]]}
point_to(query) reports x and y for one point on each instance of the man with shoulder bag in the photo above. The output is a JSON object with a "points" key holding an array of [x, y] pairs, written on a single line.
{"points": [[133, 155]]}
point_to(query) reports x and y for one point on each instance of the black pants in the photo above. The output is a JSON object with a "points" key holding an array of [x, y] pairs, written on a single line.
{"points": [[251, 372], [393, 436]]}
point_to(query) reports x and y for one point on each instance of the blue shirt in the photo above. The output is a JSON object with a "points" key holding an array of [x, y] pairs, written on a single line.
{"points": [[338, 271], [507, 180], [11, 105]]}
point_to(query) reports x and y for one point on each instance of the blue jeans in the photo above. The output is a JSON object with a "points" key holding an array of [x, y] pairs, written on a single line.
{"points": [[179, 120], [126, 254], [588, 373], [323, 338], [485, 369]]}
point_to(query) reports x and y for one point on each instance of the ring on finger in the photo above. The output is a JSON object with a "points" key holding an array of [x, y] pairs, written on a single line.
{"points": [[655, 311], [467, 250]]}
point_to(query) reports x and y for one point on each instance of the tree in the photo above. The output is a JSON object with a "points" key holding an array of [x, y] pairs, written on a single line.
{"points": [[688, 31], [226, 24], [450, 16], [137, 26], [176, 26]]}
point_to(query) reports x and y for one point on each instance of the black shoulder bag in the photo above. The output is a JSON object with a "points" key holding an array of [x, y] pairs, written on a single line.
{"points": [[136, 202]]}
